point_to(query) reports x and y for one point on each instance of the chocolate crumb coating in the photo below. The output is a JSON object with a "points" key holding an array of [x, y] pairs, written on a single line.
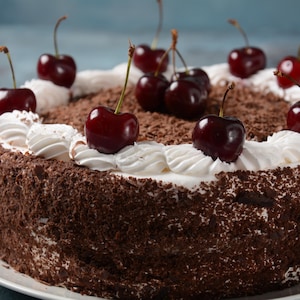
{"points": [[116, 237], [262, 114]]}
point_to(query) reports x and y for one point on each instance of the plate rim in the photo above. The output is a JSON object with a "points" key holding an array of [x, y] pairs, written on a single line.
{"points": [[24, 284]]}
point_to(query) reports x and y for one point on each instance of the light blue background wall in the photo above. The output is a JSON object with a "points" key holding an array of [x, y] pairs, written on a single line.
{"points": [[96, 32]]}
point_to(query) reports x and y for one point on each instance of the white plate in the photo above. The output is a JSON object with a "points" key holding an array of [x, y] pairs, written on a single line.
{"points": [[26, 285]]}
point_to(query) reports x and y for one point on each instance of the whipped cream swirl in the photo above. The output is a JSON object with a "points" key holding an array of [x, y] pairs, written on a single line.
{"points": [[151, 158], [264, 81], [51, 141], [14, 127]]}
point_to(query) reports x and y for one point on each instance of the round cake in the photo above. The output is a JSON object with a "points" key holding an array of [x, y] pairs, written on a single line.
{"points": [[159, 219]]}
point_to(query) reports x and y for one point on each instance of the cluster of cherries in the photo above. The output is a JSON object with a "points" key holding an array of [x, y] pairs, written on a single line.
{"points": [[60, 69], [248, 60], [184, 95]]}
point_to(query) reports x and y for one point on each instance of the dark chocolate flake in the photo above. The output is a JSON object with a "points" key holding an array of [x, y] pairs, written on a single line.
{"points": [[254, 198], [40, 172]]}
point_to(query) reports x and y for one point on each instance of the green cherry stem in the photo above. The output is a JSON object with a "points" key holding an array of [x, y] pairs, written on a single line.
{"points": [[236, 24], [55, 34], [159, 27], [5, 50], [122, 96], [230, 87]]}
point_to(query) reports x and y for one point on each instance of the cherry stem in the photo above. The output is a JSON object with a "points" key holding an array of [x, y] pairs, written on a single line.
{"points": [[187, 71], [236, 24], [172, 47], [230, 87], [298, 54], [122, 96], [175, 51], [159, 27], [5, 50], [55, 34], [282, 74], [163, 57]]}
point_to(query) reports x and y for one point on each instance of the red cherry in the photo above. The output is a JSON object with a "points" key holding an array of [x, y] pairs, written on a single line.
{"points": [[246, 61], [185, 99], [148, 60], [15, 98], [150, 91], [151, 59], [289, 65], [197, 74], [19, 99], [109, 131], [60, 69], [293, 117], [218, 136]]}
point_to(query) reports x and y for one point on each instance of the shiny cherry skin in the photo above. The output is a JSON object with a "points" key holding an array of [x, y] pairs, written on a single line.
{"points": [[109, 132], [61, 69], [197, 74], [148, 60], [293, 117], [244, 62], [150, 91], [17, 99], [290, 65], [185, 99], [219, 137]]}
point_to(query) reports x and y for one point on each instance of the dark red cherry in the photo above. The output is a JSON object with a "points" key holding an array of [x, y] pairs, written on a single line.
{"points": [[219, 137], [15, 98], [244, 62], [185, 99], [197, 74], [109, 132], [60, 69], [293, 117], [150, 91], [290, 65], [149, 60]]}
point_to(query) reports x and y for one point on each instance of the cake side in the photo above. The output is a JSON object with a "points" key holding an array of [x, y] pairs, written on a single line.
{"points": [[117, 236], [144, 239]]}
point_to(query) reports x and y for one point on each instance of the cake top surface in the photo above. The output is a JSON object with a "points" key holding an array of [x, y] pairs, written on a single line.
{"points": [[162, 152]]}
